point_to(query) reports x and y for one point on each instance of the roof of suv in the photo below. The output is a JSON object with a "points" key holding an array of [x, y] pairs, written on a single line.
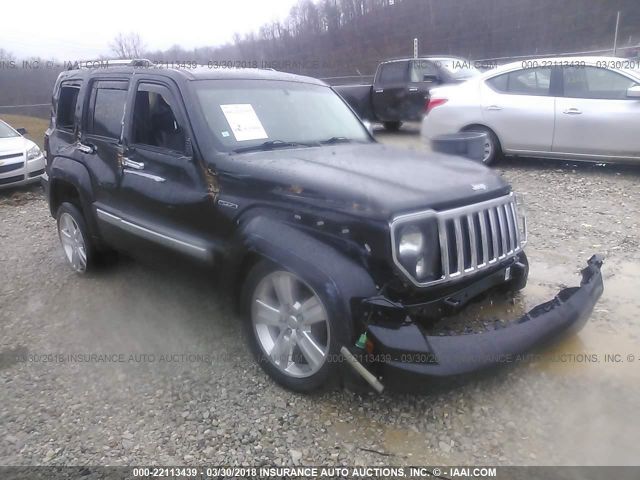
{"points": [[198, 73]]}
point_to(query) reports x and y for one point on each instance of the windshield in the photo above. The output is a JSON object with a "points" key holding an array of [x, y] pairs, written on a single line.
{"points": [[261, 114], [457, 68], [6, 131]]}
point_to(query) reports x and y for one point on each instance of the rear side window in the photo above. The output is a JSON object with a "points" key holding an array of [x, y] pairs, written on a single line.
{"points": [[66, 108], [530, 81], [421, 69], [595, 83], [106, 112], [393, 72]]}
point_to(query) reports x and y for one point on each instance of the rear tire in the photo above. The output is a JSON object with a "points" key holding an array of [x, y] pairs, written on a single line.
{"points": [[492, 148], [291, 329], [392, 126], [76, 241]]}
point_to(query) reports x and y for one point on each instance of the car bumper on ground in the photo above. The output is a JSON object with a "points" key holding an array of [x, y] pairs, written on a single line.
{"points": [[406, 349], [19, 171]]}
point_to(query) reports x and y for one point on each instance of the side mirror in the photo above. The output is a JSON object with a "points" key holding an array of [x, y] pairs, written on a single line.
{"points": [[634, 92], [22, 131], [430, 78], [367, 124]]}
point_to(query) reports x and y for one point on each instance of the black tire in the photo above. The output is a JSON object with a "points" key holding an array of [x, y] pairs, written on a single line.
{"points": [[328, 375], [65, 211], [392, 126], [492, 146]]}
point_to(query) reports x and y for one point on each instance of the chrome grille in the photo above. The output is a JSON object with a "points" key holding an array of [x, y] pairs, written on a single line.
{"points": [[476, 236], [471, 238]]}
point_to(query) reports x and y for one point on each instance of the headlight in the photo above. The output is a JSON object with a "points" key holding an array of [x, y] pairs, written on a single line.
{"points": [[33, 153], [420, 268], [416, 248], [411, 241]]}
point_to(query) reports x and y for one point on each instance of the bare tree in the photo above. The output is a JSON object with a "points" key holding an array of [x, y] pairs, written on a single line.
{"points": [[6, 55], [127, 46]]}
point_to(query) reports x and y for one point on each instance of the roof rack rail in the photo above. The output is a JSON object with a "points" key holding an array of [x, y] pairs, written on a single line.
{"points": [[105, 62]]}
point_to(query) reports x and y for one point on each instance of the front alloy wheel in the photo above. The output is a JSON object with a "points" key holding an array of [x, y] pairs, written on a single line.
{"points": [[290, 324], [292, 328]]}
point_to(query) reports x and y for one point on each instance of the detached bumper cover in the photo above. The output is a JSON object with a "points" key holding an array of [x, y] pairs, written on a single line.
{"points": [[411, 351]]}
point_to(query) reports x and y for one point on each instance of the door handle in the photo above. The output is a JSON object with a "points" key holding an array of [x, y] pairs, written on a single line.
{"points": [[572, 111], [380, 90], [88, 149], [413, 89], [126, 162], [494, 107]]}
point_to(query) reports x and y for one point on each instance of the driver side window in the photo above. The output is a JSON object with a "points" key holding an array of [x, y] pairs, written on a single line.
{"points": [[154, 121]]}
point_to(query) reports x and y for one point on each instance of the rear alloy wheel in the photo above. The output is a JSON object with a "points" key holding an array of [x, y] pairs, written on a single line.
{"points": [[74, 238], [492, 150], [289, 327]]}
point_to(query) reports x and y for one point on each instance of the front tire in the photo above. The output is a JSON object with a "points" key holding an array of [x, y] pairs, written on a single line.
{"points": [[290, 327], [75, 239]]}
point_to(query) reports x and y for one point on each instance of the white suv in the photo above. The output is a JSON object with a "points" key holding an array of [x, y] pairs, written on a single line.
{"points": [[21, 161]]}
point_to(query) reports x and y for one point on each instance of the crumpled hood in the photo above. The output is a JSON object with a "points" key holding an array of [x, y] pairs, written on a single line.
{"points": [[13, 145], [373, 179]]}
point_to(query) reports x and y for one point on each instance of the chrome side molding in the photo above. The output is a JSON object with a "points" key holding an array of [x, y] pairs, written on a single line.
{"points": [[169, 241]]}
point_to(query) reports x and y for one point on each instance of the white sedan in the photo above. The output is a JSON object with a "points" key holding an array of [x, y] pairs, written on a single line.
{"points": [[21, 161], [581, 108]]}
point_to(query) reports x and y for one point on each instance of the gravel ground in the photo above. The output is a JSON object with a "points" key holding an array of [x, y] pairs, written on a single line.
{"points": [[179, 386]]}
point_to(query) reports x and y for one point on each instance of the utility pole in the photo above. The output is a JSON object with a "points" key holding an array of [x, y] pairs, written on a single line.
{"points": [[615, 38]]}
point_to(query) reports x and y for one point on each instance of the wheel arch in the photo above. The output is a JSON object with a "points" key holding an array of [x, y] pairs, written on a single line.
{"points": [[324, 268]]}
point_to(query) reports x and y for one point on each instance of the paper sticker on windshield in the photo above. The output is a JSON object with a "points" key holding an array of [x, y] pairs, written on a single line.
{"points": [[244, 122]]}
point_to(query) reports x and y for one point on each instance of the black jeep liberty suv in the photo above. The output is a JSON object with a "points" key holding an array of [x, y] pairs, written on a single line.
{"points": [[342, 249]]}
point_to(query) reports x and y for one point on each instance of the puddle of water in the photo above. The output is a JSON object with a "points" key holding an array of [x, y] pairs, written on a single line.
{"points": [[608, 345], [593, 351], [622, 286], [395, 445]]}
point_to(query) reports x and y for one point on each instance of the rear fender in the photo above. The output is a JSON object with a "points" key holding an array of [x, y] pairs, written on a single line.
{"points": [[75, 174]]}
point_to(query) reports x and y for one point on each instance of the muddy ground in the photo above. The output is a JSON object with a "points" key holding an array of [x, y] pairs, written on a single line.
{"points": [[217, 407]]}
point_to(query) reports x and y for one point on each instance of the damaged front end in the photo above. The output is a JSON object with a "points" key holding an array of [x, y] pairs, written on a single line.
{"points": [[400, 346]]}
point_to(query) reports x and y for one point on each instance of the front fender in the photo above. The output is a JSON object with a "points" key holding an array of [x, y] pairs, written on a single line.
{"points": [[325, 269]]}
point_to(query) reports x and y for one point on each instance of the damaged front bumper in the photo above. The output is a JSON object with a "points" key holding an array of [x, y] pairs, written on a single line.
{"points": [[407, 349]]}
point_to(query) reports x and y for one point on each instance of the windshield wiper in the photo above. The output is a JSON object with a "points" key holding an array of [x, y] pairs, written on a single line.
{"points": [[333, 140], [270, 145]]}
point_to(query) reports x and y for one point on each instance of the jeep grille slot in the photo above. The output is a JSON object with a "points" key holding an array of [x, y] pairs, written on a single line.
{"points": [[476, 236]]}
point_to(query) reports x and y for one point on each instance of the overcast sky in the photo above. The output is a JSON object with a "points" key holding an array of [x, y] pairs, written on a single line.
{"points": [[83, 30]]}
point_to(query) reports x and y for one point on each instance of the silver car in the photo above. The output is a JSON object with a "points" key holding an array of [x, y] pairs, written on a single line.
{"points": [[583, 108]]}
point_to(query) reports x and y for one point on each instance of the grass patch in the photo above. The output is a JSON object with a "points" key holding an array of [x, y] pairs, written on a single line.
{"points": [[35, 126]]}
